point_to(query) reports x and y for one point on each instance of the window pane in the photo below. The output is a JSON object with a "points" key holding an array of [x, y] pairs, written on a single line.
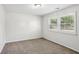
{"points": [[53, 23], [67, 22]]}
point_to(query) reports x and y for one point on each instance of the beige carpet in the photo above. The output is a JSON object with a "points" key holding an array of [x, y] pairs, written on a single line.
{"points": [[35, 46]]}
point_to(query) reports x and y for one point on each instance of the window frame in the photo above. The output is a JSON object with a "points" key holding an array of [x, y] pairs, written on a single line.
{"points": [[75, 26], [50, 23], [59, 24]]}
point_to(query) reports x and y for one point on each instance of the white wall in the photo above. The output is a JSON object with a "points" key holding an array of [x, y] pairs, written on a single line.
{"points": [[2, 27], [22, 27], [65, 39]]}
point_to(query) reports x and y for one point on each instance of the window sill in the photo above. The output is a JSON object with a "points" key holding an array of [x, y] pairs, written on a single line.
{"points": [[64, 31]]}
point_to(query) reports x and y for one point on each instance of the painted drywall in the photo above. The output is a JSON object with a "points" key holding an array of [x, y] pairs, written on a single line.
{"points": [[2, 27], [22, 27], [66, 39]]}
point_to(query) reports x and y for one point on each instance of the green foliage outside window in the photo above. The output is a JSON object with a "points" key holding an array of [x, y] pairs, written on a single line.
{"points": [[53, 24], [67, 22]]}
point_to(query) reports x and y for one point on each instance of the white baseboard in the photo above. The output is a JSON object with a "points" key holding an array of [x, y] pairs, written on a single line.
{"points": [[1, 47], [63, 45], [15, 40]]}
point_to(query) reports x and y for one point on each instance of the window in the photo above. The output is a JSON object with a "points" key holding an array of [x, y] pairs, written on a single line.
{"points": [[53, 23], [65, 23]]}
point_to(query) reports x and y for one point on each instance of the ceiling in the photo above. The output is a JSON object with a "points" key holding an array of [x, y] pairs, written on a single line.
{"points": [[29, 9]]}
